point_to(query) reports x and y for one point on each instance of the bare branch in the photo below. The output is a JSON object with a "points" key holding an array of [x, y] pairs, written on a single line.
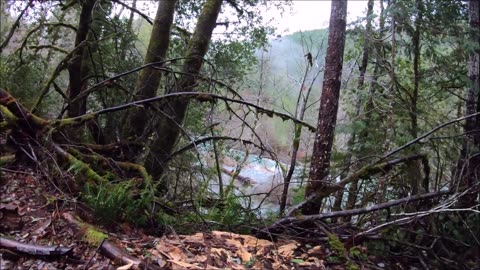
{"points": [[205, 140], [49, 46], [353, 212], [14, 27], [143, 15], [202, 97], [156, 65]]}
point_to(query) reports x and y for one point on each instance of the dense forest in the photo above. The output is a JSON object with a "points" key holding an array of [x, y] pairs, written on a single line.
{"points": [[180, 134]]}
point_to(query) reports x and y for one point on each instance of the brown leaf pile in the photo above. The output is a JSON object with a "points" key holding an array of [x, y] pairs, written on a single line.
{"points": [[221, 250]]}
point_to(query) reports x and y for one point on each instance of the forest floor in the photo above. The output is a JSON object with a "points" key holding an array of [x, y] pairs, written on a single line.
{"points": [[34, 211]]}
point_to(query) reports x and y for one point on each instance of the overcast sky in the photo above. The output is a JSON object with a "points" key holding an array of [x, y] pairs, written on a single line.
{"points": [[309, 15], [304, 15]]}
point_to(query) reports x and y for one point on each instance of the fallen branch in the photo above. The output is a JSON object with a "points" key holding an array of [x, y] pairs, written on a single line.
{"points": [[364, 172], [108, 148], [409, 217], [33, 249], [282, 223], [109, 163], [5, 159], [107, 247]]}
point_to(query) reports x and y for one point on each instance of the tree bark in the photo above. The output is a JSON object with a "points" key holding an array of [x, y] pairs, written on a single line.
{"points": [[77, 66], [173, 113], [149, 79], [327, 117]]}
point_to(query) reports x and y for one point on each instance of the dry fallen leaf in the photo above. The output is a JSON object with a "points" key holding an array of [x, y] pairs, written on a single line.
{"points": [[288, 249], [125, 267], [39, 229], [171, 252], [279, 265], [239, 249], [319, 264], [185, 265], [316, 250], [201, 258], [211, 267], [197, 238]]}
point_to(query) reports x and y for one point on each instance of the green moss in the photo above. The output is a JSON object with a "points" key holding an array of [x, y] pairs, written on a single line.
{"points": [[75, 121], [336, 245], [93, 237], [351, 266], [80, 168], [6, 159]]}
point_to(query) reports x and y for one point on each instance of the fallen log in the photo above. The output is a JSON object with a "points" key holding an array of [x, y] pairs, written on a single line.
{"points": [[34, 249]]}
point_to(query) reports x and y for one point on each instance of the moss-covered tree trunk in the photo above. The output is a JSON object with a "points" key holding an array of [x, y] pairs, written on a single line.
{"points": [[173, 113], [327, 117], [149, 78], [77, 68]]}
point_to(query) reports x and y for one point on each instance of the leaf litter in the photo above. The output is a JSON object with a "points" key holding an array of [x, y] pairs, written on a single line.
{"points": [[31, 213]]}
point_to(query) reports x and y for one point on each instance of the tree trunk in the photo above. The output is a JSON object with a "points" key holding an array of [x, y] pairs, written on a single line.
{"points": [[327, 117], [77, 68], [149, 79], [173, 113]]}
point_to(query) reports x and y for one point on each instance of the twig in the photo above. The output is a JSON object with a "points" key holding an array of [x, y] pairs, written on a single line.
{"points": [[144, 16]]}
